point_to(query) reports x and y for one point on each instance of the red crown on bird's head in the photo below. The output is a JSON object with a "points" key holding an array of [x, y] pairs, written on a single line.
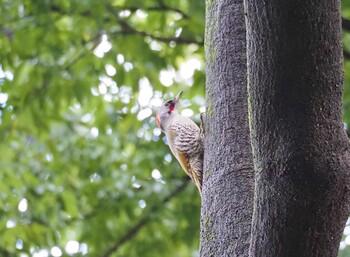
{"points": [[171, 106]]}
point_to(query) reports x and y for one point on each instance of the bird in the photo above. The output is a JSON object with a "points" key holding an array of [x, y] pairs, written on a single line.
{"points": [[185, 139]]}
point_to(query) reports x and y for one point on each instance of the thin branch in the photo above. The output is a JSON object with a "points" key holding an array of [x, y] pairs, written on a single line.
{"points": [[96, 41], [129, 235], [132, 232], [179, 40], [162, 8], [128, 29], [345, 24]]}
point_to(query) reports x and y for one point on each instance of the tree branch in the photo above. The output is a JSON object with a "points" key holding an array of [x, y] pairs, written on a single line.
{"points": [[132, 232], [179, 40], [161, 8], [96, 40], [345, 24], [127, 29]]}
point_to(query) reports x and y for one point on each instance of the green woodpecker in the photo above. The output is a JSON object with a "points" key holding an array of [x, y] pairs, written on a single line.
{"points": [[184, 137]]}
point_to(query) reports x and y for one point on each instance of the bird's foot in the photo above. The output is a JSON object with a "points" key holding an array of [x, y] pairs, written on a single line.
{"points": [[201, 127]]}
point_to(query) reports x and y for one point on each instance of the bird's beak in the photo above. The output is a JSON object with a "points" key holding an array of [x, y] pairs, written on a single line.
{"points": [[177, 97]]}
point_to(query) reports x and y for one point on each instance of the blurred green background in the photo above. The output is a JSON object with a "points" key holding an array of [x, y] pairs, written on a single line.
{"points": [[84, 168]]}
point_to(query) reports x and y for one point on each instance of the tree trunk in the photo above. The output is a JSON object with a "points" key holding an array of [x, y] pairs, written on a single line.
{"points": [[301, 153], [227, 202]]}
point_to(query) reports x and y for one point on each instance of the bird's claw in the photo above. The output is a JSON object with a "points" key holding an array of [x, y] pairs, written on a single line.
{"points": [[201, 127]]}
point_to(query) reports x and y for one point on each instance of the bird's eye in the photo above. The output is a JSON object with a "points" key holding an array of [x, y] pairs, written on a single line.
{"points": [[166, 104]]}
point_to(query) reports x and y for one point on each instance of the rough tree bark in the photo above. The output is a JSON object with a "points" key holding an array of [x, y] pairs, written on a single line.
{"points": [[228, 169], [300, 149]]}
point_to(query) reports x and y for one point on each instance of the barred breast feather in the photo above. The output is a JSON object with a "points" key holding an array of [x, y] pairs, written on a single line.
{"points": [[186, 144]]}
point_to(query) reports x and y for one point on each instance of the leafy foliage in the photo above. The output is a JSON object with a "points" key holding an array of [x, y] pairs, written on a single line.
{"points": [[82, 158], [85, 171]]}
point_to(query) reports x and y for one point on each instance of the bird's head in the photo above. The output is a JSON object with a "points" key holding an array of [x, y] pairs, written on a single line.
{"points": [[167, 110]]}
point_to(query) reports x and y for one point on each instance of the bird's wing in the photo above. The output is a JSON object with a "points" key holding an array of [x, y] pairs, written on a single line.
{"points": [[184, 162], [186, 145], [180, 155], [186, 138]]}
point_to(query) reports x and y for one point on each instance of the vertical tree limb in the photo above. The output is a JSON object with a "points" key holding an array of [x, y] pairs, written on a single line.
{"points": [[228, 170], [301, 153]]}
